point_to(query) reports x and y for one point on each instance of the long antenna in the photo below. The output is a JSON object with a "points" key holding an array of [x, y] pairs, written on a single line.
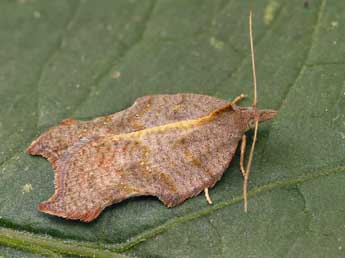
{"points": [[252, 53], [250, 160]]}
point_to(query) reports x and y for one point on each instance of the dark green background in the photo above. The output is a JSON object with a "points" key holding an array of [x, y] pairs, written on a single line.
{"points": [[85, 59]]}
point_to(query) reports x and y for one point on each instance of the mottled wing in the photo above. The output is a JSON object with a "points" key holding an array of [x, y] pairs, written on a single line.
{"points": [[173, 162], [146, 112]]}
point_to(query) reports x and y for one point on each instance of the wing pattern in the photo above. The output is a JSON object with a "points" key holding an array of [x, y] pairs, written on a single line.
{"points": [[146, 112], [173, 161], [168, 146]]}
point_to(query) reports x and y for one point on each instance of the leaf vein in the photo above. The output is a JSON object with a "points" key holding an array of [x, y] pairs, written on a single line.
{"points": [[304, 64], [124, 53], [85, 247], [50, 56], [258, 41]]}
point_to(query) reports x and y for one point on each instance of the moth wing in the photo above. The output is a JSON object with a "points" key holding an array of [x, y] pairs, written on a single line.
{"points": [[86, 180], [172, 162], [146, 112]]}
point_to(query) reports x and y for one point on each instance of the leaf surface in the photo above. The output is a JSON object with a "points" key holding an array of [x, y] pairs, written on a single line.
{"points": [[86, 59]]}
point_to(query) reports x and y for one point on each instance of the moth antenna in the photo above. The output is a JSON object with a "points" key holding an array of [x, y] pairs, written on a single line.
{"points": [[253, 56], [250, 159]]}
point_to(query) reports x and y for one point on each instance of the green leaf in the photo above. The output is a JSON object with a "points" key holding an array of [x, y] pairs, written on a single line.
{"points": [[13, 253], [86, 59]]}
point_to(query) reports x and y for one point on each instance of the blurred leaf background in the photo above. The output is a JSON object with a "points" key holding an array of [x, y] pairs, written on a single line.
{"points": [[84, 59]]}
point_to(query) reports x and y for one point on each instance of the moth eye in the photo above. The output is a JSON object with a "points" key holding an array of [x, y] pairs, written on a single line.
{"points": [[251, 123]]}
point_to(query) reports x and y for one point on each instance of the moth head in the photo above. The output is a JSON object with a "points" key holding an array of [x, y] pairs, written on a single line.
{"points": [[249, 116]]}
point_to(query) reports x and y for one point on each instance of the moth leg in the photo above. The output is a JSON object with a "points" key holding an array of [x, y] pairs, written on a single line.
{"points": [[208, 198], [244, 171], [243, 152], [238, 99]]}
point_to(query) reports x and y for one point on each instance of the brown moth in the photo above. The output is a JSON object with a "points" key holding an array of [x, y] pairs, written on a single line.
{"points": [[169, 146]]}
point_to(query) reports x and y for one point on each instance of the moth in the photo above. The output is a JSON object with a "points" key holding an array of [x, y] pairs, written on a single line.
{"points": [[169, 146]]}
